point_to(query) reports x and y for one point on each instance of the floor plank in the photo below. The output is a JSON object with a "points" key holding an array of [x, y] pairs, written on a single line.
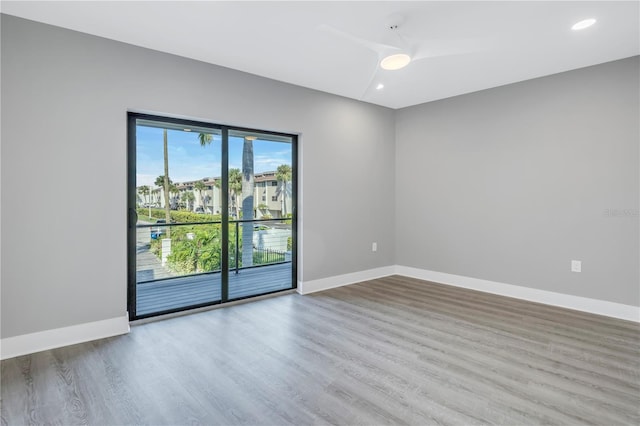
{"points": [[192, 290], [389, 351]]}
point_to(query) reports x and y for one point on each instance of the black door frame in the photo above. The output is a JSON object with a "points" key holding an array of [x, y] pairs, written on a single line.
{"points": [[132, 216]]}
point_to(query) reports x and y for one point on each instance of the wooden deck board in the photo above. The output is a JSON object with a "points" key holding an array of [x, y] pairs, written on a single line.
{"points": [[193, 290]]}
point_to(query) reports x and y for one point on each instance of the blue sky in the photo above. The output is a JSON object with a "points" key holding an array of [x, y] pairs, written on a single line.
{"points": [[190, 161]]}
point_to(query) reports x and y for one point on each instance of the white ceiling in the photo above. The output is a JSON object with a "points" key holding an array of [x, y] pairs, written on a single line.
{"points": [[495, 43]]}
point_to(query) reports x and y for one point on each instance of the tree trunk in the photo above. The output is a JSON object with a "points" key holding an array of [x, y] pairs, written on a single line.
{"points": [[247, 201], [167, 207], [284, 200]]}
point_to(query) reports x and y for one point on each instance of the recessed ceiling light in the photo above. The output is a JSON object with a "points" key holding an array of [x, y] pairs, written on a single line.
{"points": [[583, 24], [395, 62], [380, 86], [187, 130]]}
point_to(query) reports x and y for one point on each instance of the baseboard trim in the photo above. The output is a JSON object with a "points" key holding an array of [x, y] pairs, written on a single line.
{"points": [[594, 306], [578, 303], [307, 287], [50, 339], [11, 347]]}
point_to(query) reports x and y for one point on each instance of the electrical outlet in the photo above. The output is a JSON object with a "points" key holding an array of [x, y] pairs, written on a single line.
{"points": [[374, 247], [576, 266]]}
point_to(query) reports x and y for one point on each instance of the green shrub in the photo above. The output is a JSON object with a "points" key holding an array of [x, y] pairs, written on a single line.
{"points": [[178, 216], [200, 254], [203, 253], [186, 217]]}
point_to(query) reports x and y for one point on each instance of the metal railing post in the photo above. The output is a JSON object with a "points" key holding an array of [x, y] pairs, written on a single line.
{"points": [[237, 245]]}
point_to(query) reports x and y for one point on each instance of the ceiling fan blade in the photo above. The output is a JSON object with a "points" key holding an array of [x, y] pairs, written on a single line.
{"points": [[372, 82], [430, 49], [371, 45]]}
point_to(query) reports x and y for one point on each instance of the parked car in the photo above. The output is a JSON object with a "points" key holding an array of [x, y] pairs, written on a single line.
{"points": [[199, 210], [158, 231]]}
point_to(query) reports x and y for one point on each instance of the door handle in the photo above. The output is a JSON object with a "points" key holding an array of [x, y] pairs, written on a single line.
{"points": [[133, 218]]}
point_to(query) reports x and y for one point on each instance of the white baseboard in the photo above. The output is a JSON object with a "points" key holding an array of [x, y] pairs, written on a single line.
{"points": [[306, 287], [50, 339], [594, 306]]}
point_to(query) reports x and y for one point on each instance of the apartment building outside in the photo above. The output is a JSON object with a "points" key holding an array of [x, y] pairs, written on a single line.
{"points": [[271, 198]]}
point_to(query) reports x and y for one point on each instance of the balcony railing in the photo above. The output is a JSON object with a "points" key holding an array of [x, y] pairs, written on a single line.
{"points": [[180, 249]]}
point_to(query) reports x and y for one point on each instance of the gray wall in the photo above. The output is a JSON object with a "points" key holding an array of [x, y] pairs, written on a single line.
{"points": [[508, 184], [511, 184], [64, 101]]}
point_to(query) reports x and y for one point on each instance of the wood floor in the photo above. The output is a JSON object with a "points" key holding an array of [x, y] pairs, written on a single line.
{"points": [[389, 351]]}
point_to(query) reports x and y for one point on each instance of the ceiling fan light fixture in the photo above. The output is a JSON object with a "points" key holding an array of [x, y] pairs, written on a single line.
{"points": [[586, 23], [395, 62]]}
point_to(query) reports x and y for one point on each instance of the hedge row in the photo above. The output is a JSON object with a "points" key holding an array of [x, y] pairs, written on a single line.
{"points": [[179, 216]]}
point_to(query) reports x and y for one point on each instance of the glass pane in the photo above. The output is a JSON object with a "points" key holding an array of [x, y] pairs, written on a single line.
{"points": [[260, 194], [179, 239], [190, 265], [178, 259]]}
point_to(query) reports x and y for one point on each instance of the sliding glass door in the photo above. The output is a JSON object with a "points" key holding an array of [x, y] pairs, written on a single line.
{"points": [[211, 214], [260, 219]]}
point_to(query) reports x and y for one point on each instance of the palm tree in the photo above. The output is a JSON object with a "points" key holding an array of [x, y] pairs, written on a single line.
{"points": [[160, 182], [173, 190], [247, 186], [247, 200], [235, 186], [283, 174], [188, 198], [206, 139], [144, 190], [200, 186], [156, 199], [167, 207]]}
